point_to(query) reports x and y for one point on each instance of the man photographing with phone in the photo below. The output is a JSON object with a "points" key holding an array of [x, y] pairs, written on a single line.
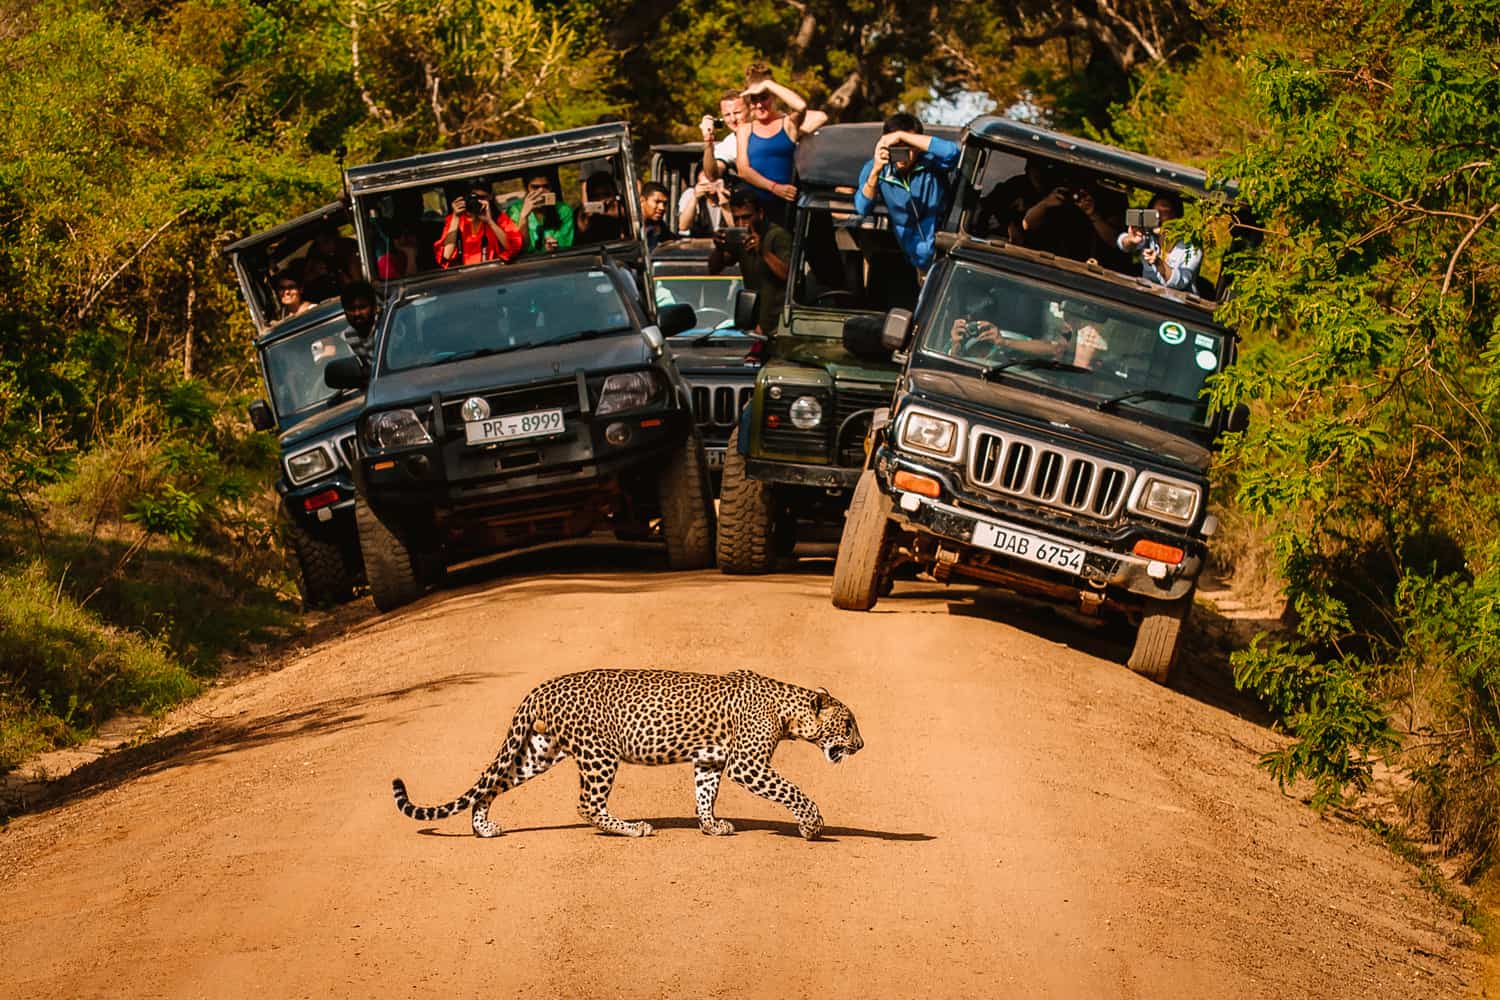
{"points": [[1173, 265], [762, 249], [912, 174]]}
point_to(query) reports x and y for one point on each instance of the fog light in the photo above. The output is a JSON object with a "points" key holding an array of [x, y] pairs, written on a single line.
{"points": [[1156, 570], [617, 433]]}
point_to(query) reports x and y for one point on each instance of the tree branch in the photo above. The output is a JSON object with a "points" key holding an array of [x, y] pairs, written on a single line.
{"points": [[1453, 261], [93, 296]]}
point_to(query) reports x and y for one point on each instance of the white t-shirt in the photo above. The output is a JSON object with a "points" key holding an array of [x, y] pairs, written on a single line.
{"points": [[715, 213], [727, 149]]}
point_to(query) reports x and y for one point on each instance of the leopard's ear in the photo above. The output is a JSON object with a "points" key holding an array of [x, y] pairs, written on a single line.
{"points": [[820, 700]]}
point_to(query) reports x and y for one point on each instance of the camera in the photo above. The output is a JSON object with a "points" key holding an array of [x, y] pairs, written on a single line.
{"points": [[901, 156], [1148, 219], [595, 207], [734, 237]]}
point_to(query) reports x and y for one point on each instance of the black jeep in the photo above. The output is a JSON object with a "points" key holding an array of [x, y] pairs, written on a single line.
{"points": [[315, 422], [798, 445], [1049, 432], [510, 404]]}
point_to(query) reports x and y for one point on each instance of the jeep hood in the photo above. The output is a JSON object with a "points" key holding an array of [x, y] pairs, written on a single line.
{"points": [[320, 421], [534, 364], [831, 356], [712, 355], [1081, 423]]}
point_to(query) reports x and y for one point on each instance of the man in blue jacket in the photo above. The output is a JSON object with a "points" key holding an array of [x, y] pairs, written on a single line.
{"points": [[912, 174]]}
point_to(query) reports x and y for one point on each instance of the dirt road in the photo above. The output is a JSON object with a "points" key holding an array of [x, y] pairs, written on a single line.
{"points": [[1027, 819]]}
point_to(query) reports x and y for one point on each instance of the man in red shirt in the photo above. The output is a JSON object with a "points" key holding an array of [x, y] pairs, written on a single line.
{"points": [[475, 232]]}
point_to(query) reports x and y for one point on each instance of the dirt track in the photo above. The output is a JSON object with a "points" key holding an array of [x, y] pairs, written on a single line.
{"points": [[1027, 819]]}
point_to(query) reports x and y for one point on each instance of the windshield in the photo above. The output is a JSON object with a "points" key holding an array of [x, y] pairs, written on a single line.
{"points": [[851, 262], [294, 367], [1118, 356], [711, 296], [447, 324]]}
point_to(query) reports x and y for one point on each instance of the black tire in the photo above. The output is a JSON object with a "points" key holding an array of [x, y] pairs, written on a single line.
{"points": [[389, 566], [746, 517], [1156, 640], [324, 579], [687, 507], [862, 548]]}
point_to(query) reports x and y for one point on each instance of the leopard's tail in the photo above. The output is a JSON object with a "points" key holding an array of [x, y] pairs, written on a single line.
{"points": [[520, 728]]}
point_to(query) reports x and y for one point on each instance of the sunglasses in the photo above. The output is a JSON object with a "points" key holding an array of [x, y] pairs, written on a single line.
{"points": [[759, 99]]}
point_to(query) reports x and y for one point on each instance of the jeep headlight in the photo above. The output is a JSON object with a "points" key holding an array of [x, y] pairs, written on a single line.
{"points": [[397, 429], [1167, 499], [930, 433], [627, 391], [805, 412], [308, 464]]}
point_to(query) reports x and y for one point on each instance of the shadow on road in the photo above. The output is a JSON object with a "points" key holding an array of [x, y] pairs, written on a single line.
{"points": [[785, 829], [211, 739]]}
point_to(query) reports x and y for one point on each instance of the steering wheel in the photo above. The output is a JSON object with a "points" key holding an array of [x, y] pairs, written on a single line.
{"points": [[837, 296], [710, 318]]}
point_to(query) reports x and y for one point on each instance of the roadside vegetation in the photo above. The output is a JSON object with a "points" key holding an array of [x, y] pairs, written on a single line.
{"points": [[138, 538]]}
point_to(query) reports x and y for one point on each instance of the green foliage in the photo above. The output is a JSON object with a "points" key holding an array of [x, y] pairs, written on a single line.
{"points": [[62, 670]]}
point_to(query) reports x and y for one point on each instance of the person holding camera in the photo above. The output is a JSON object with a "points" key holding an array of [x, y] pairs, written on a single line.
{"points": [[601, 216], [701, 209], [1173, 265], [912, 174], [474, 232], [545, 224], [719, 157], [762, 249]]}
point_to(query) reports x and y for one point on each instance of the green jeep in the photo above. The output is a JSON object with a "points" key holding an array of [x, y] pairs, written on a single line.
{"points": [[798, 448]]}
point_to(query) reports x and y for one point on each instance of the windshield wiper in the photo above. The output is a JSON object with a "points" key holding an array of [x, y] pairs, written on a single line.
{"points": [[1147, 394], [1051, 364], [485, 352]]}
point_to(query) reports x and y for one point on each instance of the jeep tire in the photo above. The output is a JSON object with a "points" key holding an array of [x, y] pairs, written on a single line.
{"points": [[687, 507], [862, 548], [1157, 638], [325, 578], [389, 566], [746, 517]]}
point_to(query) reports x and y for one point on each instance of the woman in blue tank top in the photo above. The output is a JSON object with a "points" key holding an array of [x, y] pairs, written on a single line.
{"points": [[768, 140]]}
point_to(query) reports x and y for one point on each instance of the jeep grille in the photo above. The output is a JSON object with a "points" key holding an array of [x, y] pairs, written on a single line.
{"points": [[1052, 476], [853, 406], [719, 405], [349, 450]]}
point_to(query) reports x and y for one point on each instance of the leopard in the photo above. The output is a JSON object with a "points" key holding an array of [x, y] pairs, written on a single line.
{"points": [[723, 724]]}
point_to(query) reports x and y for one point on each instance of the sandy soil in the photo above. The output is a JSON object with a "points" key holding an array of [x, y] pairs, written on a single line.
{"points": [[1028, 818]]}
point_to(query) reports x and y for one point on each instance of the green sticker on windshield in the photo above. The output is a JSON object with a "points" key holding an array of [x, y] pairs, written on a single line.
{"points": [[1172, 333]]}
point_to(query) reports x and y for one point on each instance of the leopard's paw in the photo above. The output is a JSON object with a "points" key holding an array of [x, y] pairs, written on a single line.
{"points": [[718, 828], [639, 829], [811, 825]]}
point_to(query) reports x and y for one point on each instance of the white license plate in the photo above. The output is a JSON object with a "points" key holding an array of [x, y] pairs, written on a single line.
{"points": [[1027, 546], [514, 426], [715, 457]]}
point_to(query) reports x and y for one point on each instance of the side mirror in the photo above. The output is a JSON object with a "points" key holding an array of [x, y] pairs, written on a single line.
{"points": [[261, 417], [652, 335], [864, 337], [897, 326], [676, 318], [1238, 418], [746, 309], [345, 373]]}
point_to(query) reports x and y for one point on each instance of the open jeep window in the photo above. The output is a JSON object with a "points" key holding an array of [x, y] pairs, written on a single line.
{"points": [[493, 318], [851, 262], [314, 254], [711, 296], [294, 366], [1120, 357]]}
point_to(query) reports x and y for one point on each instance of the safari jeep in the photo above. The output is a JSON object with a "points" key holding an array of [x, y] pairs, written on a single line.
{"points": [[797, 447], [315, 423], [513, 404], [1048, 431]]}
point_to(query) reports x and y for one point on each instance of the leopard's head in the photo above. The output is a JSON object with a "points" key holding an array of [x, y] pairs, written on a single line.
{"points": [[826, 721]]}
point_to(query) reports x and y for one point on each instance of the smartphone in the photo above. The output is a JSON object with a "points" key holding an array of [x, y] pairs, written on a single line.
{"points": [[1148, 219], [595, 207], [547, 198], [734, 236]]}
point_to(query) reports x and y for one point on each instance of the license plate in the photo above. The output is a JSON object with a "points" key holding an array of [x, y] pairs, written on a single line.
{"points": [[514, 426], [715, 457], [1024, 545]]}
